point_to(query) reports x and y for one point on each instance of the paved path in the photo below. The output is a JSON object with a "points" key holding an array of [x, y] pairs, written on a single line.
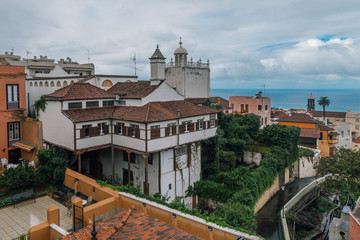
{"points": [[18, 220]]}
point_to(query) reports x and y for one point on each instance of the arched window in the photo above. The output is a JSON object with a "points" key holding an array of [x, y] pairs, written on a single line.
{"points": [[36, 84], [107, 83], [46, 84], [52, 84], [58, 84], [128, 81], [41, 84], [72, 81], [65, 84], [31, 84]]}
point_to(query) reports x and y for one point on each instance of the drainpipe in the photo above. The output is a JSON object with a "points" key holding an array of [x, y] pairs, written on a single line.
{"points": [[112, 151]]}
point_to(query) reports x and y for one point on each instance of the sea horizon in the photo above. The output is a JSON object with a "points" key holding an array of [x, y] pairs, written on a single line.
{"points": [[340, 99]]}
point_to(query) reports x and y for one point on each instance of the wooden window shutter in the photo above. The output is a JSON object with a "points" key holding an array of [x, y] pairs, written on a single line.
{"points": [[204, 124], [123, 130], [155, 133], [116, 129], [106, 129], [167, 131], [191, 127], [216, 122], [137, 132], [182, 128], [82, 132], [197, 126], [97, 131], [174, 130]]}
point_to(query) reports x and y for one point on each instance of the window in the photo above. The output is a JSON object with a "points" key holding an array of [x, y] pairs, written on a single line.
{"points": [[121, 102], [242, 108], [186, 126], [321, 136], [266, 107], [120, 128], [259, 107], [247, 108], [181, 150], [132, 157], [102, 128], [265, 120], [262, 121], [357, 127], [170, 186], [108, 103], [201, 124], [171, 129], [357, 120], [155, 131], [86, 130], [342, 133], [212, 120], [13, 132], [92, 104], [133, 130], [232, 105], [12, 92], [150, 159], [75, 105]]}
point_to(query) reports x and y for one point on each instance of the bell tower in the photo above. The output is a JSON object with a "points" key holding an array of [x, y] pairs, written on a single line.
{"points": [[311, 103], [157, 67]]}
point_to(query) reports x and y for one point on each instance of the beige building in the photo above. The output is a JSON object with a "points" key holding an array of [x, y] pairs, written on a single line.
{"points": [[42, 66], [354, 119]]}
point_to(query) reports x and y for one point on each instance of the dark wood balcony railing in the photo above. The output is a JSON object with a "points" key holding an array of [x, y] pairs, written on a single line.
{"points": [[12, 105]]}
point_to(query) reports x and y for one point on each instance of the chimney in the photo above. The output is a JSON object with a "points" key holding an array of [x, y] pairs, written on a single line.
{"points": [[178, 112]]}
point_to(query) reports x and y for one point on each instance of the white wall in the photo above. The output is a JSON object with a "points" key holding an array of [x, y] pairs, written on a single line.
{"points": [[344, 136], [163, 93], [306, 165], [57, 128]]}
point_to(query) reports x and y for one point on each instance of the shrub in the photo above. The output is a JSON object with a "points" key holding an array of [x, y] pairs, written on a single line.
{"points": [[21, 177]]}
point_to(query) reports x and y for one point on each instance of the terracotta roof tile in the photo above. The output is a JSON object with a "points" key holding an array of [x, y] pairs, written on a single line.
{"points": [[133, 90], [329, 114], [79, 91], [298, 117], [151, 112], [130, 224], [310, 132]]}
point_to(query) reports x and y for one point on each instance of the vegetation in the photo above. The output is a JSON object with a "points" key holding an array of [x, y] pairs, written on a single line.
{"points": [[343, 169], [304, 152], [324, 102], [226, 179], [52, 165], [22, 177]]}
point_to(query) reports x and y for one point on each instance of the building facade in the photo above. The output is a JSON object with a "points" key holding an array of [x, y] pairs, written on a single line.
{"points": [[258, 105], [17, 137]]}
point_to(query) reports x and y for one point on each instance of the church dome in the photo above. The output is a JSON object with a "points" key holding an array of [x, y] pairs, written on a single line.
{"points": [[311, 97], [180, 50]]}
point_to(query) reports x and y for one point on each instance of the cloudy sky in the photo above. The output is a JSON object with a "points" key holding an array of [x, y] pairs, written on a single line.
{"points": [[282, 44]]}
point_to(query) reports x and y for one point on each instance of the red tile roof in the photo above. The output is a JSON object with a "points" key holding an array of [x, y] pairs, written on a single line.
{"points": [[329, 114], [223, 102], [79, 91], [298, 118], [133, 90], [310, 132], [151, 112], [130, 224]]}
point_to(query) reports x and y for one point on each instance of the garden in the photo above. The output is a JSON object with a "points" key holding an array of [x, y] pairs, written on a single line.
{"points": [[47, 175]]}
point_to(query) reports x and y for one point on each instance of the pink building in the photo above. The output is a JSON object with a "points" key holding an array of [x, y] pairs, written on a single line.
{"points": [[258, 105]]}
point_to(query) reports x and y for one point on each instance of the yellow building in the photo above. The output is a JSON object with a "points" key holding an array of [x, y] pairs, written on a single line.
{"points": [[313, 133]]}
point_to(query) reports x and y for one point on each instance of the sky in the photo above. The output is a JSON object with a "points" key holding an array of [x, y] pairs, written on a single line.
{"points": [[300, 44]]}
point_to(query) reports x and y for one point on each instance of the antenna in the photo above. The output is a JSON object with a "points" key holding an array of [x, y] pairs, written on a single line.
{"points": [[27, 54], [88, 55], [264, 89], [134, 60]]}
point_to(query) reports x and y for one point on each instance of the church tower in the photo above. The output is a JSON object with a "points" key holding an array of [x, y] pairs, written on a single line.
{"points": [[190, 79], [311, 103], [157, 67]]}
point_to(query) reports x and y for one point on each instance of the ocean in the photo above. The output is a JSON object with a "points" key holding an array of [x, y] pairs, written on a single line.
{"points": [[340, 99]]}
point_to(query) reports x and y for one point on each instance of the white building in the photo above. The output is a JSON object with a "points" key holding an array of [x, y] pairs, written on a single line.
{"points": [[190, 79], [141, 131], [344, 136]]}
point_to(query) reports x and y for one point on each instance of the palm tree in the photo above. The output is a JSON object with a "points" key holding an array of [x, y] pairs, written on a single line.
{"points": [[324, 102]]}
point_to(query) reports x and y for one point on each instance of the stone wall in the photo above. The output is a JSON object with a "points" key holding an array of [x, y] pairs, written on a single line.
{"points": [[252, 158]]}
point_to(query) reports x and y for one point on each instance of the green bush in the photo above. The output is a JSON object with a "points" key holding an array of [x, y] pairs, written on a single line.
{"points": [[304, 152], [227, 161], [21, 177], [52, 165]]}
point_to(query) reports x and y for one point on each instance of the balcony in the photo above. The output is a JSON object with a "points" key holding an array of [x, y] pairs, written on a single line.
{"points": [[12, 105]]}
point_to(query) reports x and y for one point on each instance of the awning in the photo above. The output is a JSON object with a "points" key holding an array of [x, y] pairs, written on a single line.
{"points": [[23, 146]]}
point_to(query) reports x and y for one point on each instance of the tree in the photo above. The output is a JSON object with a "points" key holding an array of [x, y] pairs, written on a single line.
{"points": [[324, 102], [52, 165], [343, 168]]}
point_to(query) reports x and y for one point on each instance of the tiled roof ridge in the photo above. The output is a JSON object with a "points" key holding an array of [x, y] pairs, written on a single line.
{"points": [[147, 112], [86, 78], [121, 223]]}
